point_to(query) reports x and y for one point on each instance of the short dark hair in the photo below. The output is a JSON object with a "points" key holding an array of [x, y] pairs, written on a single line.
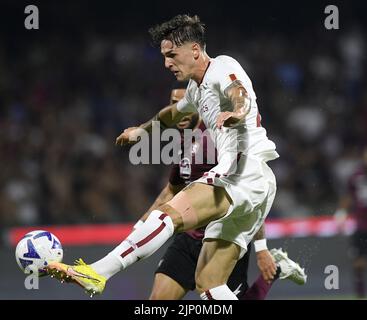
{"points": [[180, 29]]}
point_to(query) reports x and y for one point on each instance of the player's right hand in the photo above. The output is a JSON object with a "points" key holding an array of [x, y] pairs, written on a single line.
{"points": [[128, 136], [266, 264]]}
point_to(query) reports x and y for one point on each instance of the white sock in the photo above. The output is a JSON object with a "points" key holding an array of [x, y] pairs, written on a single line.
{"points": [[141, 243], [219, 293], [107, 266]]}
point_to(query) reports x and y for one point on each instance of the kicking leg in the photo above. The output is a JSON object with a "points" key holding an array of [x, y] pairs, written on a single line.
{"points": [[193, 207]]}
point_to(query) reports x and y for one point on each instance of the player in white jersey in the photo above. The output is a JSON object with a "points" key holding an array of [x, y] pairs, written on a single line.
{"points": [[242, 146], [233, 199]]}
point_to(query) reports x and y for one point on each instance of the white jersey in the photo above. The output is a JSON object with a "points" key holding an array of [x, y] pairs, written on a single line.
{"points": [[210, 98]]}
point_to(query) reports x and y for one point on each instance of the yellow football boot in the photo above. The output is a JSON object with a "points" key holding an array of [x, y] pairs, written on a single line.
{"points": [[80, 273]]}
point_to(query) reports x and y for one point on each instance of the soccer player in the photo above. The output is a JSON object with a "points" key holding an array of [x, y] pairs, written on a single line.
{"points": [[232, 199], [175, 275], [355, 201]]}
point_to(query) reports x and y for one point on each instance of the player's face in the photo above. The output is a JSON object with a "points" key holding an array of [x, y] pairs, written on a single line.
{"points": [[188, 122], [177, 95], [180, 60]]}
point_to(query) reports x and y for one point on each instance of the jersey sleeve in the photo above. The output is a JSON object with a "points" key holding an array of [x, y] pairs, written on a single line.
{"points": [[228, 73], [227, 78], [185, 104]]}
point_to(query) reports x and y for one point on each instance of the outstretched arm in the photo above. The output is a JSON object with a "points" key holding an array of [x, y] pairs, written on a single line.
{"points": [[167, 117]]}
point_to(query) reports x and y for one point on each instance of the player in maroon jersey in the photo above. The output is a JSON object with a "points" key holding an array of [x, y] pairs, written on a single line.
{"points": [[175, 275], [354, 201]]}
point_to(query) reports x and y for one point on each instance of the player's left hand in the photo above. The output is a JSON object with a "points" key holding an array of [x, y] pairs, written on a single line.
{"points": [[228, 119], [266, 264], [129, 136]]}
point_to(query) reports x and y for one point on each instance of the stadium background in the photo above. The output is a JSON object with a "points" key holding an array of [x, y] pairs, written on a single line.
{"points": [[69, 88]]}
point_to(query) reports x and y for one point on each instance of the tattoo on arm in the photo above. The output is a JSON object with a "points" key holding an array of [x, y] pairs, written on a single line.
{"points": [[239, 97]]}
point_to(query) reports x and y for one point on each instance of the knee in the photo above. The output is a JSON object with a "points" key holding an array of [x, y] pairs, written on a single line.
{"points": [[174, 215], [200, 286], [203, 282]]}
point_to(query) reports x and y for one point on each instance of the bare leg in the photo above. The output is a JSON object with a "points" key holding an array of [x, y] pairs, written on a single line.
{"points": [[193, 207], [196, 206], [216, 262]]}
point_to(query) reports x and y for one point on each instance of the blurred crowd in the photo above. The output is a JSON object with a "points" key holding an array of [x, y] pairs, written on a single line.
{"points": [[64, 101]]}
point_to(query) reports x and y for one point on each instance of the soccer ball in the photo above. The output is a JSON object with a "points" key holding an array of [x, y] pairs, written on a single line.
{"points": [[35, 249]]}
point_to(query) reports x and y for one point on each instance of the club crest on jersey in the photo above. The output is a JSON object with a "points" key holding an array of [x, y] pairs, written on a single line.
{"points": [[185, 168]]}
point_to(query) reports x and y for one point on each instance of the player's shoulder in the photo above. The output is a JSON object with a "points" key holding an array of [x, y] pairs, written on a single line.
{"points": [[225, 60], [190, 91], [223, 65]]}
